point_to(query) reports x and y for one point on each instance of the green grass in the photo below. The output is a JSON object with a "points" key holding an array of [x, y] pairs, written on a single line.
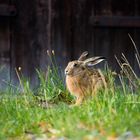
{"points": [[102, 117], [45, 111], [110, 114]]}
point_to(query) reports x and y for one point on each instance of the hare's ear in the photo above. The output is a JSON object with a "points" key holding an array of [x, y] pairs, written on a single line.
{"points": [[93, 61], [83, 56]]}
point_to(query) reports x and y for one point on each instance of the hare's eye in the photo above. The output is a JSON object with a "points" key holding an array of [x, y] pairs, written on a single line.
{"points": [[83, 68], [75, 65]]}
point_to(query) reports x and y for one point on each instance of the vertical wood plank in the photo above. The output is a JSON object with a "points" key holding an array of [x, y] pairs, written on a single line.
{"points": [[4, 53]]}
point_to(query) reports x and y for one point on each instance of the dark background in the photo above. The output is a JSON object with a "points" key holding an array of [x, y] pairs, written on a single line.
{"points": [[28, 28]]}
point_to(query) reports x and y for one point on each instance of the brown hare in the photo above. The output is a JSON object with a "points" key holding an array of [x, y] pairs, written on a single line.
{"points": [[82, 79]]}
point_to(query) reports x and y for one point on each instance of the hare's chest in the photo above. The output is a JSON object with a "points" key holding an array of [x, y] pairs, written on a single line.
{"points": [[73, 84]]}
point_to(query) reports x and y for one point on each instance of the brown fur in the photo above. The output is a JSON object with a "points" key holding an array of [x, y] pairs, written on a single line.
{"points": [[82, 81]]}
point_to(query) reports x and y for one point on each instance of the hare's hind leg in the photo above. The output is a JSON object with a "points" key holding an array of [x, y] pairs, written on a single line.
{"points": [[96, 88]]}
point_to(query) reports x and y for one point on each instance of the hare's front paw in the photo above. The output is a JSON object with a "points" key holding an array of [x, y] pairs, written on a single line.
{"points": [[73, 105], [78, 102]]}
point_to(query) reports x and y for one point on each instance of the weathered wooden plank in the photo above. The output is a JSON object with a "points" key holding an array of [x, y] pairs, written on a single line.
{"points": [[116, 21], [7, 10], [29, 38], [4, 54]]}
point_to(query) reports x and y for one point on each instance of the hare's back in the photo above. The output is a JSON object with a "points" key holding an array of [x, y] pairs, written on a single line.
{"points": [[98, 79]]}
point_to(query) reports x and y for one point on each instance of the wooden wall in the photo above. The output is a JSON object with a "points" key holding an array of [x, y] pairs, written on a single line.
{"points": [[68, 27]]}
